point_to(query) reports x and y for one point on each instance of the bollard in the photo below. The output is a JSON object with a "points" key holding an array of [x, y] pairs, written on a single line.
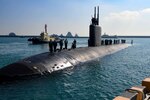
{"points": [[134, 93], [141, 92], [146, 83], [127, 96], [137, 92]]}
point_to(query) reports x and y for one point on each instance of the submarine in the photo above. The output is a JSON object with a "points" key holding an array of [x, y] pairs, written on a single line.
{"points": [[47, 63]]}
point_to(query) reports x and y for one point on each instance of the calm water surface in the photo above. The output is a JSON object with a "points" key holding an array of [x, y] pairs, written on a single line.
{"points": [[101, 79]]}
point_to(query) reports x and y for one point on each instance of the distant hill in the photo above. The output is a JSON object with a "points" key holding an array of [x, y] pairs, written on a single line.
{"points": [[76, 35], [12, 34], [61, 35], [69, 35]]}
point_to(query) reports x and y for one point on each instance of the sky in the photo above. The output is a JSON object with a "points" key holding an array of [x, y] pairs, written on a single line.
{"points": [[117, 17]]}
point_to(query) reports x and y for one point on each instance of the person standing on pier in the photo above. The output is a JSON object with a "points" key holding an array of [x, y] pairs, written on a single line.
{"points": [[88, 41], [74, 44], [66, 43], [51, 46], [61, 44], [131, 41], [55, 45]]}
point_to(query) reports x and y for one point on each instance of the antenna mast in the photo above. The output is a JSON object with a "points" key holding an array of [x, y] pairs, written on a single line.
{"points": [[95, 12], [98, 15]]}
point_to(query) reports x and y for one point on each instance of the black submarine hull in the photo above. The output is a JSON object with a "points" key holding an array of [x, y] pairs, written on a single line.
{"points": [[44, 63]]}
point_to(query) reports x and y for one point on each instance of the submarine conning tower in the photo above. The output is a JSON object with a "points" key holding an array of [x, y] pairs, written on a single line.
{"points": [[94, 30]]}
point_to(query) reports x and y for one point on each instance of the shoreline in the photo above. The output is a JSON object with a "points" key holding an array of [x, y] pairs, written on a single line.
{"points": [[26, 36]]}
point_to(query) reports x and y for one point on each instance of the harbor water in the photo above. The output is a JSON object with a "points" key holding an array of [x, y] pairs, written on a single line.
{"points": [[100, 79]]}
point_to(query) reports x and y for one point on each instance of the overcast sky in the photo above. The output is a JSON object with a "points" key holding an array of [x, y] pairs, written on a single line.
{"points": [[118, 17]]}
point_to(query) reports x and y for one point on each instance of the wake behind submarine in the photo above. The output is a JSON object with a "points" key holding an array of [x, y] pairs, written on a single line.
{"points": [[47, 62]]}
